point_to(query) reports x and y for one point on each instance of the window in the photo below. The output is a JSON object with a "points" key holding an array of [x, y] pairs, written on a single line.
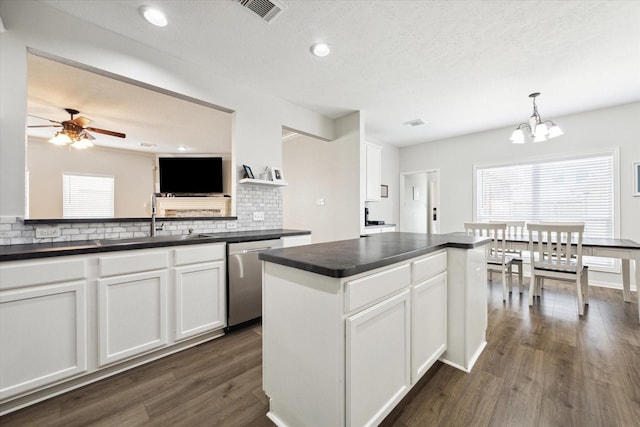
{"points": [[87, 196], [579, 188]]}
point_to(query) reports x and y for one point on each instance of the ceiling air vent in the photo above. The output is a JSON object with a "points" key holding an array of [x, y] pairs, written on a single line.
{"points": [[265, 9], [414, 123]]}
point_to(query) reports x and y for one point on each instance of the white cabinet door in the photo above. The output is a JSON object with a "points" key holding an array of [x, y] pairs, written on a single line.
{"points": [[377, 360], [42, 336], [428, 324], [199, 299], [373, 155], [132, 315]]}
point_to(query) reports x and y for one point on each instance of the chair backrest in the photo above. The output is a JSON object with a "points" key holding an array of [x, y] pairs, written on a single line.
{"points": [[558, 246], [496, 231], [514, 228]]}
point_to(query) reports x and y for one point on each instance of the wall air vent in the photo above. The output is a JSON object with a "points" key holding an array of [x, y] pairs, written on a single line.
{"points": [[265, 9]]}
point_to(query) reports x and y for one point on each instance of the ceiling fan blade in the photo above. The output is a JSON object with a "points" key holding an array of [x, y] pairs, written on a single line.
{"points": [[107, 132], [81, 121], [43, 118], [45, 126]]}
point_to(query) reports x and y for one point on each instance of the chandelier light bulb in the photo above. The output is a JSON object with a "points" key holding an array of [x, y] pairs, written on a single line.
{"points": [[517, 137], [541, 130], [555, 131]]}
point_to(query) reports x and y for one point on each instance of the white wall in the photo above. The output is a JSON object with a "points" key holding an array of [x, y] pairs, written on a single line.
{"points": [[323, 189], [585, 132], [132, 172], [387, 209], [29, 24]]}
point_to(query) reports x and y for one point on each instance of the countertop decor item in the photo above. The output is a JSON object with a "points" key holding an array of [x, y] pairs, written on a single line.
{"points": [[537, 129], [248, 172], [276, 174]]}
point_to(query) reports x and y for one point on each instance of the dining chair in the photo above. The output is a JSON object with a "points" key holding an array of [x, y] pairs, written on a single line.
{"points": [[556, 253], [497, 258], [515, 229]]}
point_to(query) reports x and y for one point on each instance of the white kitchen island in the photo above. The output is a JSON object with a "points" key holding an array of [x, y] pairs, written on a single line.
{"points": [[350, 327]]}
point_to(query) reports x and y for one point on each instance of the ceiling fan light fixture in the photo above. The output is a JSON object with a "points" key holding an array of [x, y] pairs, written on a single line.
{"points": [[320, 49], [60, 138], [537, 129], [153, 16]]}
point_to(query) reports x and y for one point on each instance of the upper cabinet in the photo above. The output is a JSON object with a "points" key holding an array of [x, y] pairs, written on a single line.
{"points": [[373, 155]]}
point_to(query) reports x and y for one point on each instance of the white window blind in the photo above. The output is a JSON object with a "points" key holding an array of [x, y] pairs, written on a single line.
{"points": [[87, 196], [580, 188]]}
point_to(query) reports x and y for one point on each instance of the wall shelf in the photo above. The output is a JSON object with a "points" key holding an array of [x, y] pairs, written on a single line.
{"points": [[262, 182]]}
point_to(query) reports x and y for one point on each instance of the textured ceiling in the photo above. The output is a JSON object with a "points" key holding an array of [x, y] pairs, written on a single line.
{"points": [[461, 66]]}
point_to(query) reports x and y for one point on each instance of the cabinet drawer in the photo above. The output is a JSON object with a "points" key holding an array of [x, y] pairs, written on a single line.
{"points": [[199, 253], [132, 262], [428, 267], [365, 290], [29, 273]]}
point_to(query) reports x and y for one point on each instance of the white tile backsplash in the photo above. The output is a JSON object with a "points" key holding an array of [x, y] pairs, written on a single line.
{"points": [[249, 198]]}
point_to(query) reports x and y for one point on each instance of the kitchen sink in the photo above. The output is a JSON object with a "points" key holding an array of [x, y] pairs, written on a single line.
{"points": [[137, 240]]}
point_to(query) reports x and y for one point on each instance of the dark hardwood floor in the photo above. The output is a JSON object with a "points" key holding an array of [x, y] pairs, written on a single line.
{"points": [[543, 366]]}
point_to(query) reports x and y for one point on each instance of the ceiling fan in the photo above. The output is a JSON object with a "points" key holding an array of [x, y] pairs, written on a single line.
{"points": [[75, 130]]}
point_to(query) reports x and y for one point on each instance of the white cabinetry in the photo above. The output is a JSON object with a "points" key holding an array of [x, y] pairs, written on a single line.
{"points": [[72, 320], [467, 313], [43, 313], [429, 324], [200, 304], [373, 171], [428, 312], [354, 345], [377, 360], [132, 304], [290, 241]]}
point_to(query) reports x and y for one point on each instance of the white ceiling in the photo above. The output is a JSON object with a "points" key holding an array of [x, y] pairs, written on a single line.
{"points": [[461, 66]]}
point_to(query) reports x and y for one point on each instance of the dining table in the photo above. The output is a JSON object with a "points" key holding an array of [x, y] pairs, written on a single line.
{"points": [[628, 251]]}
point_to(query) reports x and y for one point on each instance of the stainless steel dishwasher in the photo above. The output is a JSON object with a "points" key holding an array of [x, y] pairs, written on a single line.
{"points": [[244, 286]]}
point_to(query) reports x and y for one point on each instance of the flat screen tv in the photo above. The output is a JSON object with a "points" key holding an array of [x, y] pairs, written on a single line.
{"points": [[192, 175]]}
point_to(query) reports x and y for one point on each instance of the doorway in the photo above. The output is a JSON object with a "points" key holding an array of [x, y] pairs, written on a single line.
{"points": [[420, 202]]}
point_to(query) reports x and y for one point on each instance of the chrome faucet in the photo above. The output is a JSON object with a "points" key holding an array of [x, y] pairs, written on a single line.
{"points": [[153, 217]]}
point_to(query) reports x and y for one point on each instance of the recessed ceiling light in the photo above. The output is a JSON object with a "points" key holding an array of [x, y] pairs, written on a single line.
{"points": [[320, 49], [153, 16], [182, 148]]}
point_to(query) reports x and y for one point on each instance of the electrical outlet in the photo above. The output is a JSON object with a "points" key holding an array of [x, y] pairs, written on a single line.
{"points": [[232, 225], [47, 232], [258, 216]]}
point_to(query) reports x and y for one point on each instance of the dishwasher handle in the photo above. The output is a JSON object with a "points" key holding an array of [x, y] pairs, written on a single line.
{"points": [[246, 251]]}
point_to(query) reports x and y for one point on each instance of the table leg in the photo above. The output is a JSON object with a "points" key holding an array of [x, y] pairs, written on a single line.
{"points": [[626, 280]]}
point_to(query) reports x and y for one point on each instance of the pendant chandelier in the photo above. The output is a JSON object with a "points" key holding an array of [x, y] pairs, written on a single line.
{"points": [[537, 129]]}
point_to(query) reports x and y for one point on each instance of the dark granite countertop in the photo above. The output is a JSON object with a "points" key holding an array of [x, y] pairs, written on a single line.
{"points": [[348, 257], [45, 250]]}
